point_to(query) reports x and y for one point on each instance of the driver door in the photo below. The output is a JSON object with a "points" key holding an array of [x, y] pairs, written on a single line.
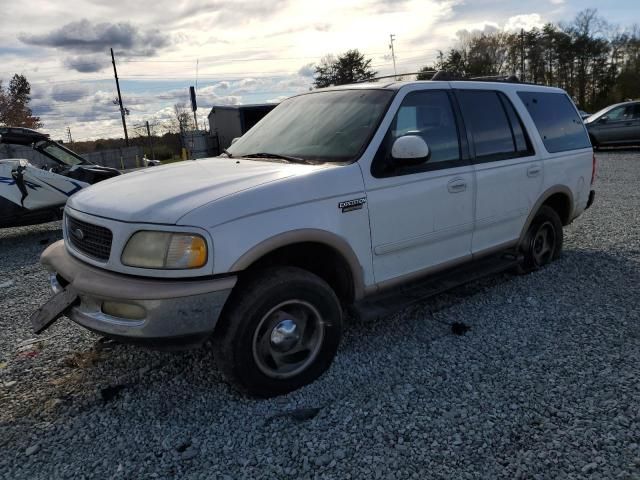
{"points": [[421, 216], [618, 126]]}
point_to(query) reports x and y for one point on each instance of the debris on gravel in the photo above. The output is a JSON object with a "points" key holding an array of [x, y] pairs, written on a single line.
{"points": [[539, 379]]}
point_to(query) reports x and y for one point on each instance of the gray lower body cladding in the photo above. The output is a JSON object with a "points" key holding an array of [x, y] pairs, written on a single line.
{"points": [[141, 310]]}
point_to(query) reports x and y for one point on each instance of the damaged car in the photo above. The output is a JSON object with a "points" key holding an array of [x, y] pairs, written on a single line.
{"points": [[31, 194]]}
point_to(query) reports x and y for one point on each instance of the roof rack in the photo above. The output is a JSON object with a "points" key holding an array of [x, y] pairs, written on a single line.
{"points": [[446, 76], [497, 78], [395, 77]]}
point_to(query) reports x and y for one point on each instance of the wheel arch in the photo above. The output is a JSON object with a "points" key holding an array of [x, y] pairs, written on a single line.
{"points": [[558, 197], [324, 253]]}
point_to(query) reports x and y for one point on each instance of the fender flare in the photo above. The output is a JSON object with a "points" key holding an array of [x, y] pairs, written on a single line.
{"points": [[329, 239], [543, 198]]}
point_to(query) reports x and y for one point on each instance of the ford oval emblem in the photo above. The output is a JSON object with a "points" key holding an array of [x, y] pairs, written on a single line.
{"points": [[79, 234]]}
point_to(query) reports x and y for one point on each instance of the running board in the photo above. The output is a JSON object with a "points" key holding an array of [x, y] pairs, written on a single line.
{"points": [[391, 301]]}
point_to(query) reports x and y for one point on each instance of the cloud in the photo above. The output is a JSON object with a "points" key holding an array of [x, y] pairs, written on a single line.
{"points": [[86, 39], [307, 70], [69, 93], [527, 22], [390, 6], [87, 63], [84, 36]]}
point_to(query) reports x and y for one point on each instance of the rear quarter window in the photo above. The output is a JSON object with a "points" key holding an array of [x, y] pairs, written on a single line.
{"points": [[557, 121]]}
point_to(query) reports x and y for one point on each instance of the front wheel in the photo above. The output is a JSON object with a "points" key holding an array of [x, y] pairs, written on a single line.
{"points": [[280, 331], [543, 241]]}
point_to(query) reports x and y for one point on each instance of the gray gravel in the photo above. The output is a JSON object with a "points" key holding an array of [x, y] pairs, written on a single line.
{"points": [[545, 384]]}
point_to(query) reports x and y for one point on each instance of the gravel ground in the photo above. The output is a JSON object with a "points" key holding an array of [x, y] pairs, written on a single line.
{"points": [[545, 384]]}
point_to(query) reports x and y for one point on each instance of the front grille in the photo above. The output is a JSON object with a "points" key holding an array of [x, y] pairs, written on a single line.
{"points": [[92, 240]]}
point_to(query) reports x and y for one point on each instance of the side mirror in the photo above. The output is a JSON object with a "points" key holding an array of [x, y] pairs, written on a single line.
{"points": [[603, 119], [234, 140], [410, 150]]}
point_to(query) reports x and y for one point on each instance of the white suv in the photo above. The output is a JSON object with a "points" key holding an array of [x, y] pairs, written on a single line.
{"points": [[334, 198]]}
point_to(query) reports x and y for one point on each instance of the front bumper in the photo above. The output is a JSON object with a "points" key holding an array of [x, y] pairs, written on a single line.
{"points": [[154, 310]]}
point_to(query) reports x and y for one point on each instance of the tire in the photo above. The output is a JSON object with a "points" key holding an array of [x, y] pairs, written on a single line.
{"points": [[543, 241], [280, 331]]}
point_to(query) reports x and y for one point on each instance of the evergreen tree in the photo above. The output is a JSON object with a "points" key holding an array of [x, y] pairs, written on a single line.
{"points": [[14, 104]]}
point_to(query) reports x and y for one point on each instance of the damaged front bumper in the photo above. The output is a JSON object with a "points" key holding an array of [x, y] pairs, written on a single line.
{"points": [[154, 311]]}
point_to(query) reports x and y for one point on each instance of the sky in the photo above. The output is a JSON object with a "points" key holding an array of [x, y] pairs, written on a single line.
{"points": [[237, 52]]}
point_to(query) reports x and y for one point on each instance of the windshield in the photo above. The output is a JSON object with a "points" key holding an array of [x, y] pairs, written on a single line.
{"points": [[330, 126], [60, 154]]}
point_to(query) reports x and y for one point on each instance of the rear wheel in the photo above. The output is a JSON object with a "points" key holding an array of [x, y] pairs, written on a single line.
{"points": [[280, 332], [543, 241]]}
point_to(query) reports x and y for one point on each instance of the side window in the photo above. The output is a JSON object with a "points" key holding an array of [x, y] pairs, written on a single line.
{"points": [[636, 111], [620, 114], [557, 121], [520, 137], [427, 114], [495, 137]]}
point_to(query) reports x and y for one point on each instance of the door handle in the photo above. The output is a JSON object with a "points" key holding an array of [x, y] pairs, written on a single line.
{"points": [[457, 185], [533, 171]]}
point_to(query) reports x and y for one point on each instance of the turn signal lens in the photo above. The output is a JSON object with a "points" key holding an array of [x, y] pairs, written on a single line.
{"points": [[186, 251]]}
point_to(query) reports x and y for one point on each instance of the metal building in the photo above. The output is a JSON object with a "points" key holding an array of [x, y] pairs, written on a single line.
{"points": [[227, 122]]}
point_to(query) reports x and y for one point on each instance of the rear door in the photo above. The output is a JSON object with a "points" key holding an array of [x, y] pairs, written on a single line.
{"points": [[421, 216], [509, 176]]}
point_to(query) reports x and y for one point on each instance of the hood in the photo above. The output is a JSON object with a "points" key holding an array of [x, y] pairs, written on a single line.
{"points": [[166, 193]]}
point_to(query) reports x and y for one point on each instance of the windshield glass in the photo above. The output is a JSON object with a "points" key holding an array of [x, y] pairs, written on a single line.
{"points": [[60, 154], [331, 126]]}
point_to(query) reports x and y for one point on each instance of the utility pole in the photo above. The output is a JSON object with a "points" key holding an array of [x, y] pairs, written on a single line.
{"points": [[69, 139], [150, 141], [122, 110], [522, 75], [392, 37]]}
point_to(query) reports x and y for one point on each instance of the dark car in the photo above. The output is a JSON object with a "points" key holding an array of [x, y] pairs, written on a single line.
{"points": [[617, 124]]}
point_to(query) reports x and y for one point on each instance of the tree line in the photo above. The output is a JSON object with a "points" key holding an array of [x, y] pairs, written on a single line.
{"points": [[596, 63]]}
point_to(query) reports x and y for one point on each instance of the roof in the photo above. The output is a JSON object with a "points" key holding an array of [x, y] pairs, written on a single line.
{"points": [[249, 106], [21, 136]]}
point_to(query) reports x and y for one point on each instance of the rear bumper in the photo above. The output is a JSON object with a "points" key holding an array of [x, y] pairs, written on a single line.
{"points": [[138, 309]]}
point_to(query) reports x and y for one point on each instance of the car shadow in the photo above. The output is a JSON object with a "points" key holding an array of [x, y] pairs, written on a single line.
{"points": [[425, 321]]}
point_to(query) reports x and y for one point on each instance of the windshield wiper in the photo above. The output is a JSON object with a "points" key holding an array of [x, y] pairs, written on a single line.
{"points": [[277, 156], [227, 152]]}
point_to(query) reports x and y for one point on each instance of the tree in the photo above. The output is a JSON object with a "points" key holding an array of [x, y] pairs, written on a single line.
{"points": [[349, 67], [14, 104], [183, 119], [426, 72], [596, 63]]}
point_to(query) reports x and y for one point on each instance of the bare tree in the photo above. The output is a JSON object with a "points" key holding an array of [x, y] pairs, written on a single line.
{"points": [[183, 118]]}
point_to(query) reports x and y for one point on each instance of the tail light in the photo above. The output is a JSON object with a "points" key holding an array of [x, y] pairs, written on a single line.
{"points": [[594, 165]]}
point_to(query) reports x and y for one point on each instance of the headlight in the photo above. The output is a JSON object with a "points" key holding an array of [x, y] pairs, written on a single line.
{"points": [[166, 250]]}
